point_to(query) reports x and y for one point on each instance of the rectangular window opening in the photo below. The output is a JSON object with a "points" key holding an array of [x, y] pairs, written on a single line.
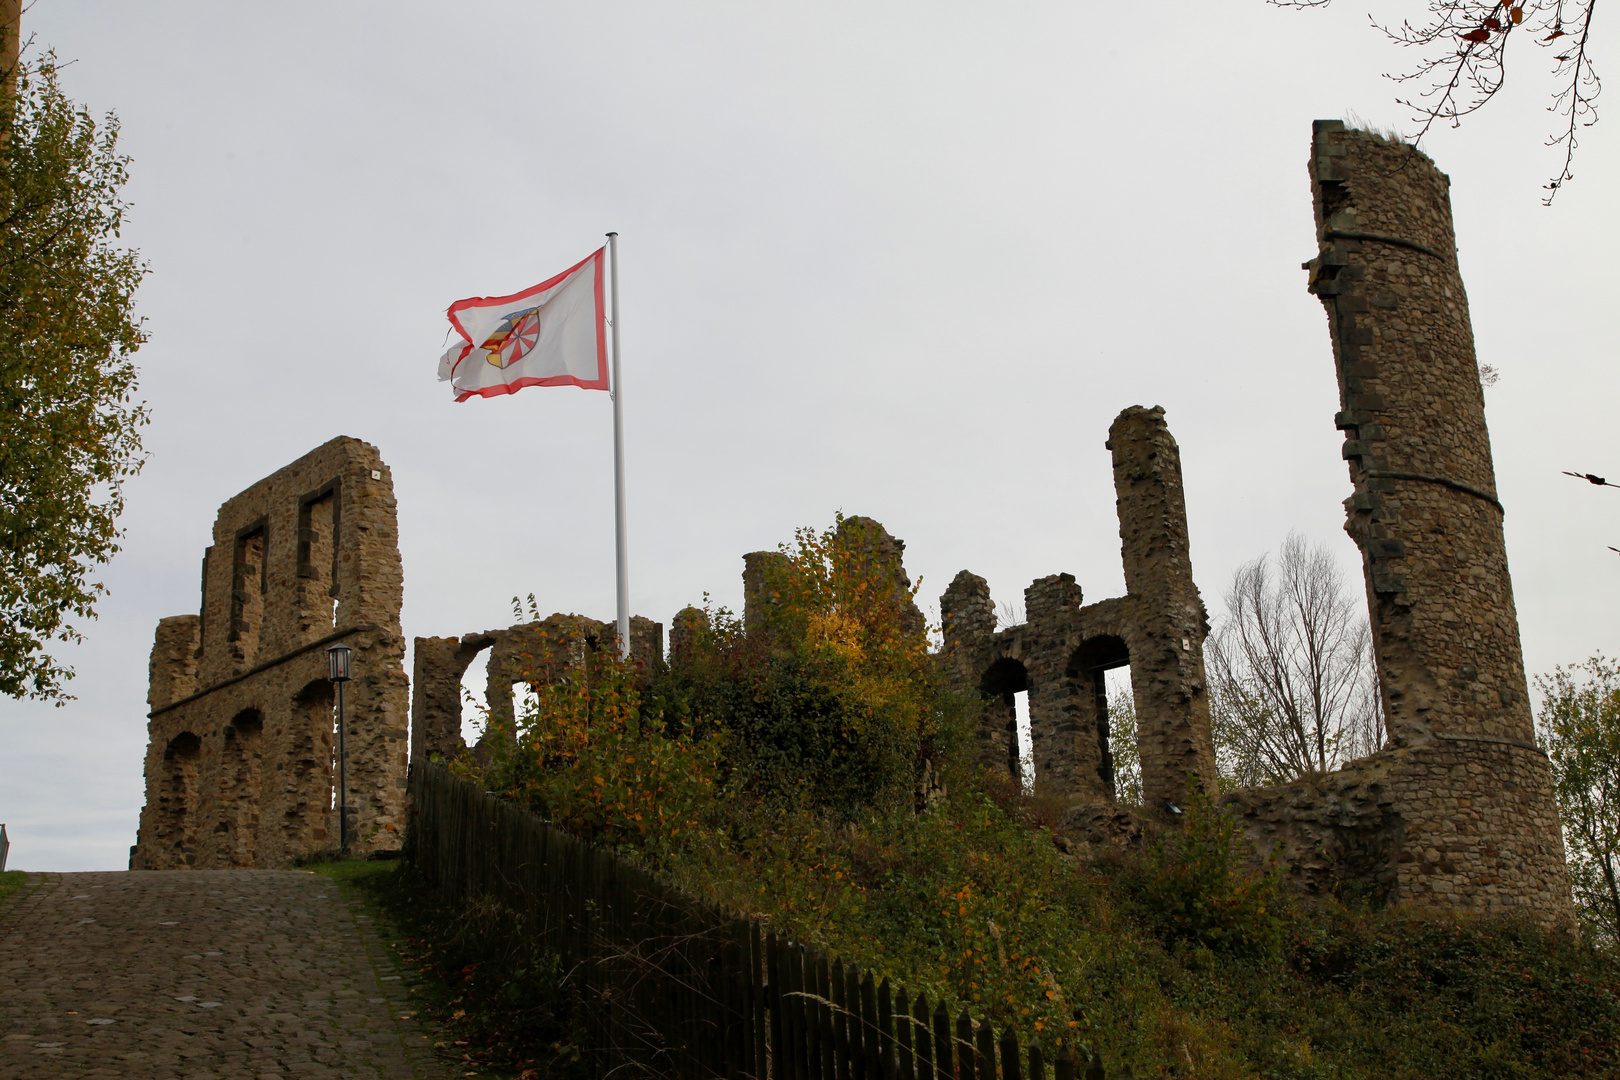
{"points": [[1026, 742]]}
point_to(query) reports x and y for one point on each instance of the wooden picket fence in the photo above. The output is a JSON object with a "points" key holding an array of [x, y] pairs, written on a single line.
{"points": [[671, 986]]}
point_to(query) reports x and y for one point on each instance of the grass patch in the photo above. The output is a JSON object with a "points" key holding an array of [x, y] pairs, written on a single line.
{"points": [[496, 997], [11, 881]]}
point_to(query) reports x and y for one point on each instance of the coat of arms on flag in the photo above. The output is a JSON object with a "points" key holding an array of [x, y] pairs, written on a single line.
{"points": [[550, 335]]}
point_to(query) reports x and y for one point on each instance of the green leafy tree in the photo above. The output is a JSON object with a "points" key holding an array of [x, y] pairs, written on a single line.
{"points": [[1580, 727], [67, 377]]}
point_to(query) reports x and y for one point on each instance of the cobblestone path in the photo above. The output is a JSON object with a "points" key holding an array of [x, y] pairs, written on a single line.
{"points": [[200, 974]]}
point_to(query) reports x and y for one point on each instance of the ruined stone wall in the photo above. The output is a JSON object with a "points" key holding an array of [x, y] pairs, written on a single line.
{"points": [[1462, 803], [1063, 649], [239, 763], [541, 653]]}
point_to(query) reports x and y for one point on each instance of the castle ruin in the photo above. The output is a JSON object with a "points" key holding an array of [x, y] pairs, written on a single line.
{"points": [[1457, 811]]}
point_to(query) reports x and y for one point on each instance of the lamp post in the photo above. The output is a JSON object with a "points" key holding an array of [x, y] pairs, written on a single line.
{"points": [[340, 664]]}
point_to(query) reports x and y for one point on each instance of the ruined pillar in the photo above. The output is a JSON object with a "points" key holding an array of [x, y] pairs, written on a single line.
{"points": [[969, 619], [1167, 649], [1482, 825], [172, 670], [875, 546], [758, 596], [687, 631], [969, 625], [1062, 724]]}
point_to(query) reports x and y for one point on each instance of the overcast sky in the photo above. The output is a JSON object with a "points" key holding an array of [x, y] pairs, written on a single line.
{"points": [[903, 260]]}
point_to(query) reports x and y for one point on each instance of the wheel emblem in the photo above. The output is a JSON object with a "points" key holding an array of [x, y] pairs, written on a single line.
{"points": [[516, 335]]}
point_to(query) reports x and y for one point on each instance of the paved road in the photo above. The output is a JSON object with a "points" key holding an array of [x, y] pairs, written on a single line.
{"points": [[201, 974]]}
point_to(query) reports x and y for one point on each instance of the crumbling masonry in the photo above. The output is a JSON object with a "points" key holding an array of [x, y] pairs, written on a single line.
{"points": [[239, 755], [1063, 648], [540, 653]]}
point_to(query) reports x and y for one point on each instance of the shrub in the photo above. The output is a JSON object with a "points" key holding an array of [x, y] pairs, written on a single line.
{"points": [[1197, 890]]}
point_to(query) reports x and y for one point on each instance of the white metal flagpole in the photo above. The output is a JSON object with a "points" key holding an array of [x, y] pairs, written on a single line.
{"points": [[622, 565]]}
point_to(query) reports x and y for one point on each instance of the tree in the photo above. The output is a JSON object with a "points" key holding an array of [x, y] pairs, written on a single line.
{"points": [[1292, 687], [1580, 728], [1462, 48], [67, 378]]}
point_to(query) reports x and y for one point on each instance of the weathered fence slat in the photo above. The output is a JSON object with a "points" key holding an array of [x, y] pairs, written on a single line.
{"points": [[1011, 1067], [902, 1036], [922, 1038], [824, 1020], [986, 1051], [885, 1016], [1037, 1059], [945, 1052], [756, 1000], [1063, 1064]]}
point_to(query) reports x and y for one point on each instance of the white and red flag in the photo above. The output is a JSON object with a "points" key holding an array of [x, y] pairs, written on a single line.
{"points": [[550, 335]]}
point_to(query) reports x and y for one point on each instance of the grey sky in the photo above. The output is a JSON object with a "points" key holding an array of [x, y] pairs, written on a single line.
{"points": [[907, 260]]}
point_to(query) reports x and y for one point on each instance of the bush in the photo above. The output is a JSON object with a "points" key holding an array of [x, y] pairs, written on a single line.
{"points": [[834, 701], [1196, 889]]}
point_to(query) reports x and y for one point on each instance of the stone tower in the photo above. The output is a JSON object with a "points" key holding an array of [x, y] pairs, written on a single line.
{"points": [[1481, 827]]}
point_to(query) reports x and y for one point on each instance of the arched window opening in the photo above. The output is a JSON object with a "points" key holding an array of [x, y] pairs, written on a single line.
{"points": [[183, 747], [525, 701], [318, 560], [1127, 765], [249, 580], [247, 724]]}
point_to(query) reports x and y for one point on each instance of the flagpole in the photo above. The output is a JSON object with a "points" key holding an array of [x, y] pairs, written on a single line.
{"points": [[622, 567]]}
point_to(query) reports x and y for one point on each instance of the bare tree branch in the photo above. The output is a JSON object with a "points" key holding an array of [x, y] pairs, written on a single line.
{"points": [[1291, 670], [1462, 50]]}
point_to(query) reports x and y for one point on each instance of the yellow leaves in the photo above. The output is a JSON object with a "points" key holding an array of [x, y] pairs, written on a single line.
{"points": [[835, 633]]}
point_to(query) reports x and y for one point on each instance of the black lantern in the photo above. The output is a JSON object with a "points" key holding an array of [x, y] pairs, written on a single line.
{"points": [[339, 660]]}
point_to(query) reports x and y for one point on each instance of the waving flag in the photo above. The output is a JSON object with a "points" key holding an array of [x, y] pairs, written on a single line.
{"points": [[550, 335]]}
